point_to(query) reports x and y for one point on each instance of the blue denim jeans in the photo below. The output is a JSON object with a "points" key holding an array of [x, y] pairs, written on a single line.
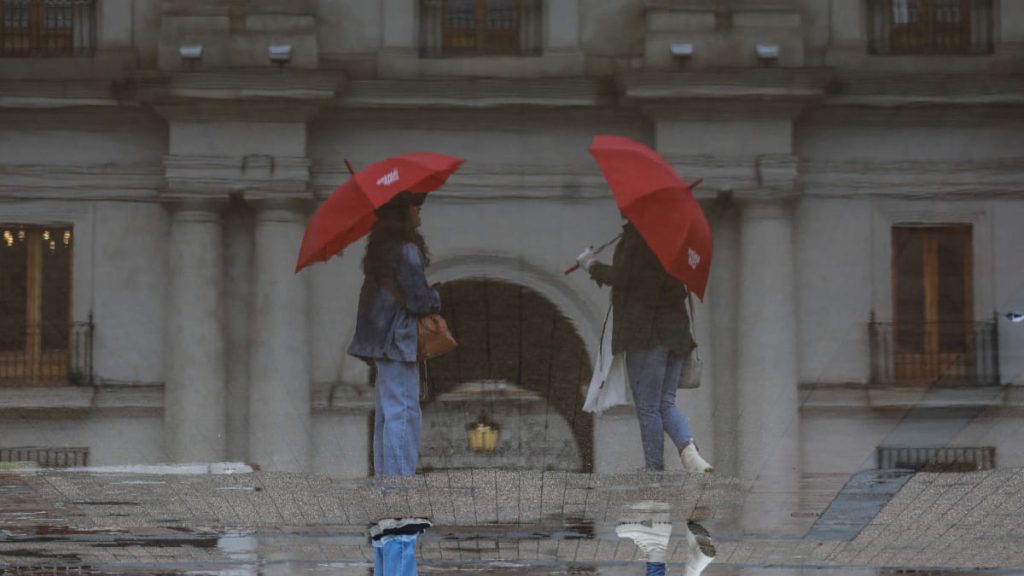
{"points": [[395, 556], [397, 419], [654, 378], [655, 569]]}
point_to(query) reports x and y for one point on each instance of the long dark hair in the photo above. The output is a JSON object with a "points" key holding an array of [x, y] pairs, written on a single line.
{"points": [[393, 227]]}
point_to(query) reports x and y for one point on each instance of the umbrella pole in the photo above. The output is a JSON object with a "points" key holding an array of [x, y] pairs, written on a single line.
{"points": [[349, 166]]}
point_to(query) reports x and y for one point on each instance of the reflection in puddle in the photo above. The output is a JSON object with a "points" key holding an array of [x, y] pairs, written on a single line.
{"points": [[519, 522]]}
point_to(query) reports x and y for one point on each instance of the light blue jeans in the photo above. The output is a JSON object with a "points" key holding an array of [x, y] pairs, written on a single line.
{"points": [[654, 378], [395, 556], [397, 419], [655, 569]]}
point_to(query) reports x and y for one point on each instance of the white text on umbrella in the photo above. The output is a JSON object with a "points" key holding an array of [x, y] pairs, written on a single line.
{"points": [[389, 178]]}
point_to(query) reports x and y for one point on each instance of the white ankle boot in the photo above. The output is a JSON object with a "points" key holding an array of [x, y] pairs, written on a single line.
{"points": [[692, 461], [652, 540], [699, 550]]}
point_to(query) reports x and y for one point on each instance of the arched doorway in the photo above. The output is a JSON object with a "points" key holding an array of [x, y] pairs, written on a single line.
{"points": [[523, 362]]}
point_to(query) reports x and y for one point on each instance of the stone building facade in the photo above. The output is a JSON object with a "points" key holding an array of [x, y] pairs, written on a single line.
{"points": [[862, 164]]}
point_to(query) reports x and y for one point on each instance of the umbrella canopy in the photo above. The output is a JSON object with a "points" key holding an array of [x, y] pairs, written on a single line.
{"points": [[661, 205], [348, 213]]}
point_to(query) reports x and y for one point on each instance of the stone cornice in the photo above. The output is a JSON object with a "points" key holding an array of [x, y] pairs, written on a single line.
{"points": [[901, 90], [583, 180], [80, 182], [766, 172], [780, 85], [262, 94], [931, 180], [481, 180], [51, 94], [477, 93]]}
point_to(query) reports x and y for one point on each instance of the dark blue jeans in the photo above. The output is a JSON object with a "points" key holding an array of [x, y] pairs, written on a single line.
{"points": [[395, 556], [654, 379], [397, 419]]}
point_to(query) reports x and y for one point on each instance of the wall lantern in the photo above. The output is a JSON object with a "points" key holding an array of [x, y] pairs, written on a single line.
{"points": [[483, 434]]}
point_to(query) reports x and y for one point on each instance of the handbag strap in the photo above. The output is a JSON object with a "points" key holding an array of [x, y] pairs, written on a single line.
{"points": [[693, 318], [604, 329]]}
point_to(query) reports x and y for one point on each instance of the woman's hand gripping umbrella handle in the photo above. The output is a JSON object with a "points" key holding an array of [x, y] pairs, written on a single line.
{"points": [[589, 255]]}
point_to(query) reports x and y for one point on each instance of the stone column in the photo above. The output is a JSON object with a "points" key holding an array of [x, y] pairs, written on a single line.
{"points": [[279, 396], [722, 303], [766, 325], [194, 416], [238, 289]]}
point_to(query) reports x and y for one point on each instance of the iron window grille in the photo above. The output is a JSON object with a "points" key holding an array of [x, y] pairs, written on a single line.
{"points": [[930, 27], [480, 28], [47, 457], [936, 459], [44, 28]]}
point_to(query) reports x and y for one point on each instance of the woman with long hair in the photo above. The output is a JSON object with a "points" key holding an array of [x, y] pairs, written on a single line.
{"points": [[394, 294]]}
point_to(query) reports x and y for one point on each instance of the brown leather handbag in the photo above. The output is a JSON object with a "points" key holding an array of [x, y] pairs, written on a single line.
{"points": [[435, 338]]}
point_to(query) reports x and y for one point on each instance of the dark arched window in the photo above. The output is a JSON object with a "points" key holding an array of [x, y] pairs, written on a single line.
{"points": [[509, 333]]}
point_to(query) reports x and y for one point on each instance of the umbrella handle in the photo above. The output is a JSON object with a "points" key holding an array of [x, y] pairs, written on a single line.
{"points": [[572, 269]]}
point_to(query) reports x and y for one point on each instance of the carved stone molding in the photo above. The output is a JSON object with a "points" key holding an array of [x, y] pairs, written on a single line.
{"points": [[244, 95], [932, 180], [217, 176], [476, 93], [80, 182], [745, 86]]}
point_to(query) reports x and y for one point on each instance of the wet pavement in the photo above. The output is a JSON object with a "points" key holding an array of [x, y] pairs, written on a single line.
{"points": [[505, 522]]}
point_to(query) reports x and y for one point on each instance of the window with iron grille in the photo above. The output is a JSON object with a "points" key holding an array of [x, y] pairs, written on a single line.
{"points": [[934, 338], [33, 28], [901, 27], [38, 341], [480, 28]]}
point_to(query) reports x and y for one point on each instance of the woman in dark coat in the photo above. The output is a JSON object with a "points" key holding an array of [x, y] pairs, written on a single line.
{"points": [[651, 326]]}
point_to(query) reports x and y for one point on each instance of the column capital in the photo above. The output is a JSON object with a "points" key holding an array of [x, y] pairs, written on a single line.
{"points": [[765, 204], [281, 209], [197, 209]]}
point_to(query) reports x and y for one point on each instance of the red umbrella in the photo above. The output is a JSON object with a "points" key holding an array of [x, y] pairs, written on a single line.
{"points": [[348, 213], [660, 205]]}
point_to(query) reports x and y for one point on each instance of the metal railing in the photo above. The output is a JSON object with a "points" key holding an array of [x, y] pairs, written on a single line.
{"points": [[40, 28], [930, 27], [936, 459], [47, 457], [45, 355], [934, 354], [480, 28]]}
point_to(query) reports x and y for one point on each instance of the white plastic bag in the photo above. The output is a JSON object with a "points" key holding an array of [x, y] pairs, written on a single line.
{"points": [[608, 385]]}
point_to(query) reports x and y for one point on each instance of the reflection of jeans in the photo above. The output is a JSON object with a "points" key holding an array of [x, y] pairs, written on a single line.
{"points": [[397, 418], [395, 556], [655, 569], [654, 377]]}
